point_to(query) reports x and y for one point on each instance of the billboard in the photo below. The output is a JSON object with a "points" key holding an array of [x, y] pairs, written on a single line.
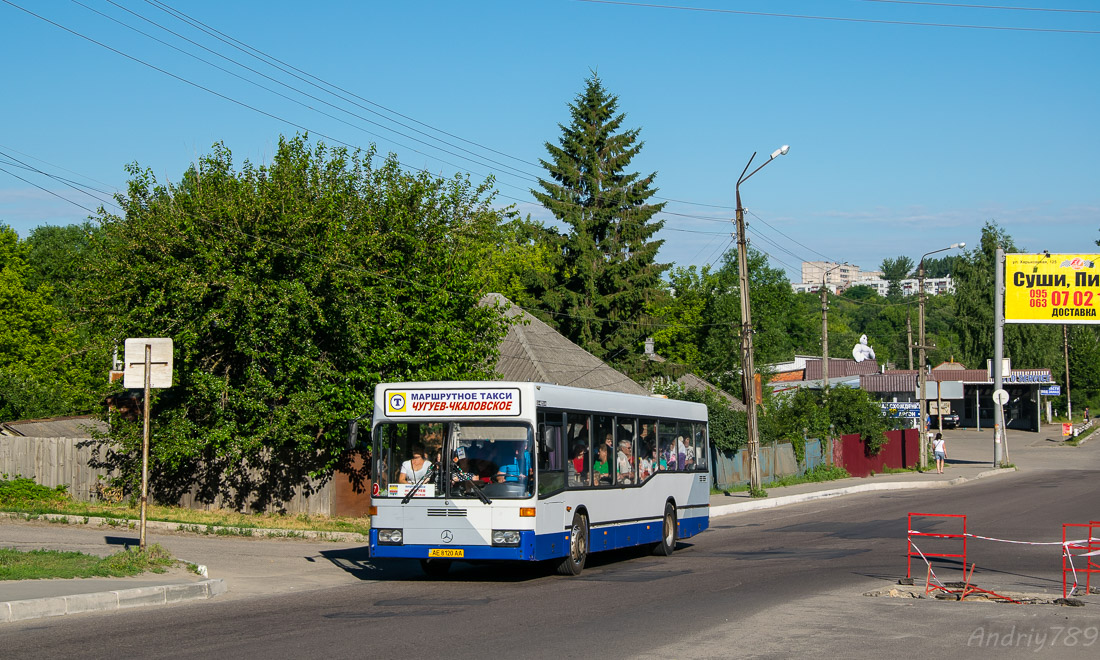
{"points": [[1052, 288]]}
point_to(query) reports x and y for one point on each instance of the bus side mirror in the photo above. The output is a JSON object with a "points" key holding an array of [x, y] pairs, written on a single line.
{"points": [[353, 433]]}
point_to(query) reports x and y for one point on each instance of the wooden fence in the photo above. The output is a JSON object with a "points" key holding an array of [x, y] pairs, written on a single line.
{"points": [[66, 461], [52, 462]]}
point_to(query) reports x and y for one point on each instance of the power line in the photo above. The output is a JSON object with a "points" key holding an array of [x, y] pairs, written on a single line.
{"points": [[46, 190], [740, 12], [954, 5]]}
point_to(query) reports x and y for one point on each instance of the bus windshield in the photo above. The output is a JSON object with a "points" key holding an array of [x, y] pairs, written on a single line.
{"points": [[477, 460]]}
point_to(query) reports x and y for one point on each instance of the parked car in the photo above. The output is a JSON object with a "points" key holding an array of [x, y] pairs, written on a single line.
{"points": [[950, 421]]}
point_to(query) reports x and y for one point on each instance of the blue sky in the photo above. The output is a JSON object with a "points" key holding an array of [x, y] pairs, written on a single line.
{"points": [[906, 134]]}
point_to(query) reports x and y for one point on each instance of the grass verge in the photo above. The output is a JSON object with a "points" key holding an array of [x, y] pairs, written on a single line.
{"points": [[22, 495], [820, 473], [47, 564]]}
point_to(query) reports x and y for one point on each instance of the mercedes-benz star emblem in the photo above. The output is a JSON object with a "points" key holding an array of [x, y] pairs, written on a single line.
{"points": [[447, 536]]}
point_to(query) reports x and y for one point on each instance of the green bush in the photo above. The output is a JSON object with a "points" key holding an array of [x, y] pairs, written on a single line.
{"points": [[22, 492]]}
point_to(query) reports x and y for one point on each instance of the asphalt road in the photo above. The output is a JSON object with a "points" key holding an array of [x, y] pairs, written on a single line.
{"points": [[773, 583]]}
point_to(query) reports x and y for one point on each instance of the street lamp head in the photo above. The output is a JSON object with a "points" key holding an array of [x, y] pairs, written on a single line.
{"points": [[958, 245], [781, 151]]}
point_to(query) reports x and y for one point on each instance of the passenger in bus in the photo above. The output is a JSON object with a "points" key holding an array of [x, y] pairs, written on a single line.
{"points": [[601, 470], [624, 463], [647, 462], [575, 466], [689, 454], [681, 453], [415, 468]]}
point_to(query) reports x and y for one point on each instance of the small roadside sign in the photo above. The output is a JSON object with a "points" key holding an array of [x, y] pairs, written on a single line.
{"points": [[1067, 429], [901, 409], [1052, 390]]}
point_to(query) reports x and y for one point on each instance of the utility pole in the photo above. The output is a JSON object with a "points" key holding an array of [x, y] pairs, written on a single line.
{"points": [[748, 369], [909, 333], [923, 373], [824, 339], [1065, 349], [999, 430]]}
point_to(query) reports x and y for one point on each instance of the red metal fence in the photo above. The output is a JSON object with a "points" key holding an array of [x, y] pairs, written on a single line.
{"points": [[902, 450]]}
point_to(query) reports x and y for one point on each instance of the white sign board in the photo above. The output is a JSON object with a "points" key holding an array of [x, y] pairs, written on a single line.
{"points": [[1000, 397], [472, 402], [160, 358], [951, 389]]}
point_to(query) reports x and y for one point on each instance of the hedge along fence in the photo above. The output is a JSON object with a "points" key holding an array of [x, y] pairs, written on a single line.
{"points": [[53, 462]]}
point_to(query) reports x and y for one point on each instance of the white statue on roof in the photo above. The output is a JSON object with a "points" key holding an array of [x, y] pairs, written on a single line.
{"points": [[862, 351]]}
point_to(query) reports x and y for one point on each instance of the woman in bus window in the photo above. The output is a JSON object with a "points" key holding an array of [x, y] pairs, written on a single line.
{"points": [[576, 465], [601, 470], [415, 468]]}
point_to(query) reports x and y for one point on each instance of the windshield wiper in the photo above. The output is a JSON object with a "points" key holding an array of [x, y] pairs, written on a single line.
{"points": [[474, 487], [416, 486]]}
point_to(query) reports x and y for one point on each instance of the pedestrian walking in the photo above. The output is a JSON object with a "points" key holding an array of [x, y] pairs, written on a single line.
{"points": [[1086, 414], [939, 447]]}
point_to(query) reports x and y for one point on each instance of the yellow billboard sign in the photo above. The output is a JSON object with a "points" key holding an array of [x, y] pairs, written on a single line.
{"points": [[1052, 288]]}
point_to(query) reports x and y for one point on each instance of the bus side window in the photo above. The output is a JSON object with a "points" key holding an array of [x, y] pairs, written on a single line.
{"points": [[666, 445], [550, 453], [701, 445], [647, 458], [626, 465]]}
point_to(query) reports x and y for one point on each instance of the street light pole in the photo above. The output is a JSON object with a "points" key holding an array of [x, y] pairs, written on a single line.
{"points": [[825, 332], [922, 375], [748, 370]]}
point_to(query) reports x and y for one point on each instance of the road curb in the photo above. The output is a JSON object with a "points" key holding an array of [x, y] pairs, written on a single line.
{"points": [[770, 503], [192, 528], [105, 601]]}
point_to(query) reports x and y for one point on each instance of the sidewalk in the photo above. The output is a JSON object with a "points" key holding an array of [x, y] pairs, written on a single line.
{"points": [[241, 567]]}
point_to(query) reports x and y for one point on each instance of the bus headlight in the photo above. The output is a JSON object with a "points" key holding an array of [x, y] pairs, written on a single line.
{"points": [[505, 537], [390, 536]]}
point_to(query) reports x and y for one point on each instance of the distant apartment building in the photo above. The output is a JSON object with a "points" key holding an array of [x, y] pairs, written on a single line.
{"points": [[933, 286], [838, 277], [841, 275]]}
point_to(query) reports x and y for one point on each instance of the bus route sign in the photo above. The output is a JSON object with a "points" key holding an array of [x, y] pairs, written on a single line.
{"points": [[471, 402], [1052, 288]]}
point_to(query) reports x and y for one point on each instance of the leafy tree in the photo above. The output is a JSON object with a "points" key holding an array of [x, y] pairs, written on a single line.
{"points": [[43, 371], [941, 267], [776, 332], [681, 314], [850, 410], [606, 273], [894, 271], [55, 256], [290, 290]]}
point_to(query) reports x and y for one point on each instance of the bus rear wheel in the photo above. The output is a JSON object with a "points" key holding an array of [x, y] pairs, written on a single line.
{"points": [[573, 563], [667, 544], [435, 568]]}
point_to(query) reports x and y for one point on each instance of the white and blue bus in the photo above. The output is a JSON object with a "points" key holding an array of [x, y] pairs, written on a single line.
{"points": [[484, 471]]}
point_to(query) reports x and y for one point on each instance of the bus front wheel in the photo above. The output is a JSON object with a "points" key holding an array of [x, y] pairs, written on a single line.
{"points": [[667, 543], [573, 563]]}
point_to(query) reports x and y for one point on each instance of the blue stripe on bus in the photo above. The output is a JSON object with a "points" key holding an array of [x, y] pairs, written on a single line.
{"points": [[534, 547]]}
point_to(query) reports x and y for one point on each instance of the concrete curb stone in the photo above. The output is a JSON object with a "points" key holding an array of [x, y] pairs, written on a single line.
{"points": [[769, 503], [193, 528], [35, 608]]}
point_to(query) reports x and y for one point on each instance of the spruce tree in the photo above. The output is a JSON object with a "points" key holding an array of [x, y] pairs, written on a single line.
{"points": [[607, 270]]}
